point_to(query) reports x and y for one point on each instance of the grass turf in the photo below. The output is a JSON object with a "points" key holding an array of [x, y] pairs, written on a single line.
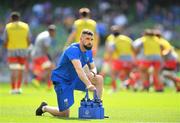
{"points": [[122, 106]]}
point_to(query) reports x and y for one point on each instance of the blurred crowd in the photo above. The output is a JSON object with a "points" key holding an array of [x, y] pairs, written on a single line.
{"points": [[107, 13]]}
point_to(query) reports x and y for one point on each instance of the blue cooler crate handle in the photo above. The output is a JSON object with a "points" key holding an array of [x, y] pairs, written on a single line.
{"points": [[91, 109], [96, 98]]}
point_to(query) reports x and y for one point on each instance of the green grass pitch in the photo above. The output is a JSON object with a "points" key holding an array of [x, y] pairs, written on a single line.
{"points": [[121, 107]]}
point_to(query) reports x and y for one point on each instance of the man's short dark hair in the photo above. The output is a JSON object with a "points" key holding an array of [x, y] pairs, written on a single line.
{"points": [[84, 12], [88, 32], [52, 27], [148, 32], [15, 16]]}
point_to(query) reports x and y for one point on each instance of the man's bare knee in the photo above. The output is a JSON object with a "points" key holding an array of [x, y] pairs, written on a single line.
{"points": [[100, 79], [64, 114]]}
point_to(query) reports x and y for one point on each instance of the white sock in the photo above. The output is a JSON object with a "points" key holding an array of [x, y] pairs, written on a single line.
{"points": [[43, 108]]}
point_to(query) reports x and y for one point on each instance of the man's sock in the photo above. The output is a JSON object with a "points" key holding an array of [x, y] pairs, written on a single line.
{"points": [[158, 85], [49, 84], [13, 85], [19, 81], [113, 84]]}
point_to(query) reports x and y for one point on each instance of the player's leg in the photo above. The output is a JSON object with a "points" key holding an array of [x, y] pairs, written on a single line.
{"points": [[143, 67], [14, 68], [12, 73], [55, 111], [20, 69], [65, 99], [52, 110], [37, 71], [157, 84], [26, 73], [43, 67], [169, 72], [116, 66], [47, 77], [19, 80], [114, 75], [98, 81], [132, 76], [16, 78], [13, 80], [176, 81], [105, 69]]}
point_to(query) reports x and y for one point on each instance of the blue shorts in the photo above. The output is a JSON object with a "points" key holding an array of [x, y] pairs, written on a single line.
{"points": [[65, 92]]}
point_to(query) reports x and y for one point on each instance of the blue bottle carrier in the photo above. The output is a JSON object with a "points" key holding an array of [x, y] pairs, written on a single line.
{"points": [[91, 109]]}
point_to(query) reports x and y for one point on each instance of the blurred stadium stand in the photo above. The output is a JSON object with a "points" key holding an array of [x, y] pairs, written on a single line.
{"points": [[134, 16]]}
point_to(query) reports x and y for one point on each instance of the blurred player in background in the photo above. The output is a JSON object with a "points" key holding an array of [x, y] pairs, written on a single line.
{"points": [[170, 60], [150, 50], [109, 54], [122, 65], [76, 71], [41, 59], [16, 40], [84, 23]]}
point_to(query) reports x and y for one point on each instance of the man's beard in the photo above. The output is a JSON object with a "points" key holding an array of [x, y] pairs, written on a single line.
{"points": [[87, 47]]}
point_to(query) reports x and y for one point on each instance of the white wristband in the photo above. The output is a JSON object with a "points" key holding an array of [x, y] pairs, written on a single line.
{"points": [[94, 70], [94, 74]]}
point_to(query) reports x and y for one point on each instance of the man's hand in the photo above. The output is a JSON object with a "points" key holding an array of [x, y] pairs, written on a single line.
{"points": [[165, 52], [91, 87]]}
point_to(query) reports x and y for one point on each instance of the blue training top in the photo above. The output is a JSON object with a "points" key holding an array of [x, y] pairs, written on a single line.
{"points": [[65, 70]]}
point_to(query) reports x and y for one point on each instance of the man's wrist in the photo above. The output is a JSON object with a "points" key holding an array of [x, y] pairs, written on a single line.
{"points": [[89, 86]]}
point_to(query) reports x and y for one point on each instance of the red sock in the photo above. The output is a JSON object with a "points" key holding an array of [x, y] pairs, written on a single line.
{"points": [[158, 85], [49, 83], [19, 84], [13, 80], [19, 81], [114, 86], [13, 85]]}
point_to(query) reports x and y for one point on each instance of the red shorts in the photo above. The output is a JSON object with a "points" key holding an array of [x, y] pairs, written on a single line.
{"points": [[39, 64], [170, 64], [121, 65], [19, 60], [148, 63]]}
